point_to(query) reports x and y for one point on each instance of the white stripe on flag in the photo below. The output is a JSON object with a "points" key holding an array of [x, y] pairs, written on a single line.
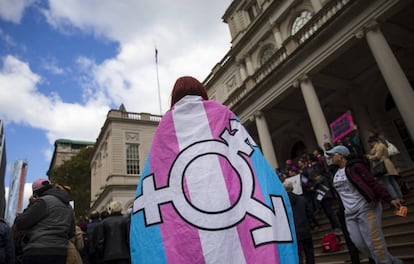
{"points": [[209, 192]]}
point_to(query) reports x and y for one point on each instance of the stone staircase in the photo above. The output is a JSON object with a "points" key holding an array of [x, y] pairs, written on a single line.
{"points": [[398, 231]]}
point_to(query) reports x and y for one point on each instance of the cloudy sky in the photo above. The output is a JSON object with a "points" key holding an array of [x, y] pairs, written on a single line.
{"points": [[64, 64]]}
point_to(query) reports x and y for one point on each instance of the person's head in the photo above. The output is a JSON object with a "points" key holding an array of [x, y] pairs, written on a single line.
{"points": [[301, 163], [40, 185], [94, 215], [373, 133], [372, 141], [115, 207], [83, 226], [292, 171], [339, 155], [187, 85], [104, 214]]}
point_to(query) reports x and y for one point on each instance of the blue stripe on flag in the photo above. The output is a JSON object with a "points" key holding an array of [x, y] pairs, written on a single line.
{"points": [[153, 246], [270, 184]]}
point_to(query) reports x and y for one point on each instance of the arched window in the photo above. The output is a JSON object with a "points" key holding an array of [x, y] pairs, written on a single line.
{"points": [[300, 21], [266, 53]]}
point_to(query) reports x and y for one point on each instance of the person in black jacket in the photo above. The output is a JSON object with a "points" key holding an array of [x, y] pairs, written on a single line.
{"points": [[113, 236], [302, 215], [48, 223], [6, 243], [324, 197]]}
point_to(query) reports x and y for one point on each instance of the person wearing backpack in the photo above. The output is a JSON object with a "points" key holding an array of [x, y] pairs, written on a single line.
{"points": [[361, 196]]}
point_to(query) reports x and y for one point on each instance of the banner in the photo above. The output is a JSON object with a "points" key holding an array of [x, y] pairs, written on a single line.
{"points": [[342, 126], [207, 195]]}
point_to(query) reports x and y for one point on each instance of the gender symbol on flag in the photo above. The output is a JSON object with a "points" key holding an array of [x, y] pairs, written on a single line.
{"points": [[230, 148]]}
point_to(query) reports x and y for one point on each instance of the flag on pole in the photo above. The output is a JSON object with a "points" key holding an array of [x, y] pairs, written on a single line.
{"points": [[207, 194], [156, 55]]}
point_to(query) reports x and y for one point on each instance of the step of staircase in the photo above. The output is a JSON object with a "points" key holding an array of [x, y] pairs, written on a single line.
{"points": [[398, 232]]}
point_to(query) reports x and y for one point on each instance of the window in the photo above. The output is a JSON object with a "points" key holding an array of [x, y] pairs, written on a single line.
{"points": [[267, 53], [252, 11], [132, 158], [300, 21]]}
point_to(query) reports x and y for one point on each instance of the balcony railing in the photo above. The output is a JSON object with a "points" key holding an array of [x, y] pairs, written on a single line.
{"points": [[134, 116], [325, 15]]}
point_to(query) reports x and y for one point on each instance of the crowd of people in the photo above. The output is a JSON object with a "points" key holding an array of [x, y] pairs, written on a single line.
{"points": [[341, 175], [45, 232], [334, 177]]}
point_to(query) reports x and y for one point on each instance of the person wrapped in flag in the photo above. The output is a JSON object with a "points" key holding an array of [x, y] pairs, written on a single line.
{"points": [[207, 194]]}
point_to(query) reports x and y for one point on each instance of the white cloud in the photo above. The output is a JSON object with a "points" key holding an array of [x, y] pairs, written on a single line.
{"points": [[50, 64], [189, 35], [58, 119], [12, 10]]}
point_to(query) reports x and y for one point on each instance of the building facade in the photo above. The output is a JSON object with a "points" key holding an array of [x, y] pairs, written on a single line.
{"points": [[295, 66], [65, 149], [3, 164], [119, 155], [16, 190]]}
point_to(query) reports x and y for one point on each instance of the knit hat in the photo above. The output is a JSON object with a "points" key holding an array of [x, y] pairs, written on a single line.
{"points": [[40, 185]]}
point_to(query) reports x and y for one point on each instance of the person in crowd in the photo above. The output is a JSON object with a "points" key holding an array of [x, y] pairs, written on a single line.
{"points": [[331, 167], [95, 220], [324, 197], [305, 169], [81, 233], [379, 153], [373, 133], [361, 196], [204, 142], [75, 242], [104, 214], [296, 179], [48, 223], [321, 160], [302, 213], [113, 236], [280, 174], [6, 243]]}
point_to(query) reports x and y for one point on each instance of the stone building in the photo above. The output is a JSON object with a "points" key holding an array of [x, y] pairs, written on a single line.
{"points": [[119, 156], [296, 66], [65, 149]]}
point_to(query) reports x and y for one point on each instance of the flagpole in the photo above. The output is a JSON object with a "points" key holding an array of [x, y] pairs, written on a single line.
{"points": [[158, 79]]}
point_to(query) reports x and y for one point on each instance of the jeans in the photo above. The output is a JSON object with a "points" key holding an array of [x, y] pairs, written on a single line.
{"points": [[391, 184]]}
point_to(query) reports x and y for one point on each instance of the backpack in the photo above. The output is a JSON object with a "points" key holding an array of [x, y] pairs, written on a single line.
{"points": [[330, 242]]}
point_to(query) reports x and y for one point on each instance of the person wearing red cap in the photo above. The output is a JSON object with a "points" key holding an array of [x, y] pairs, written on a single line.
{"points": [[48, 223]]}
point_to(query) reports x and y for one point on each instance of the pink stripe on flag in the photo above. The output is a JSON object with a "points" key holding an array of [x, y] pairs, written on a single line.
{"points": [[266, 253], [173, 230]]}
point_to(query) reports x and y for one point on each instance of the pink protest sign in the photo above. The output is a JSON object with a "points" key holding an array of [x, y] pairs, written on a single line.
{"points": [[342, 126]]}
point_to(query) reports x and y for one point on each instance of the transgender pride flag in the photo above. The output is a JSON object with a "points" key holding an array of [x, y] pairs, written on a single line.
{"points": [[207, 195]]}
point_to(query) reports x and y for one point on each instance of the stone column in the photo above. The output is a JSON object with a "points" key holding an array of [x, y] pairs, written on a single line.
{"points": [[277, 35], [397, 82], [249, 66], [361, 117], [265, 139], [242, 69], [319, 124]]}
